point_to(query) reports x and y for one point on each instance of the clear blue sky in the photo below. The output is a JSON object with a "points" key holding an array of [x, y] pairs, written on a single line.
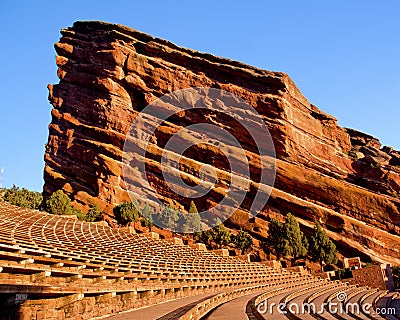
{"points": [[343, 55]]}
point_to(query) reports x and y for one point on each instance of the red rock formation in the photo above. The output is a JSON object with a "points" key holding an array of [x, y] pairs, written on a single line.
{"points": [[109, 72]]}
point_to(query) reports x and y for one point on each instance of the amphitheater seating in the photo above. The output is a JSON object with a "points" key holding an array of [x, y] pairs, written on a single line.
{"points": [[57, 267]]}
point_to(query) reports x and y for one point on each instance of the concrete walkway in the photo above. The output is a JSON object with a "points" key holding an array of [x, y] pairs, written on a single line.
{"points": [[233, 310], [162, 311]]}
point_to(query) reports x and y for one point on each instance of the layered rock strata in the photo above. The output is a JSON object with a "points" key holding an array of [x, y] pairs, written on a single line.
{"points": [[108, 73]]}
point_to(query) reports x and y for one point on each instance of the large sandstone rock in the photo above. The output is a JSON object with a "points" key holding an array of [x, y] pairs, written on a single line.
{"points": [[108, 73], [362, 139]]}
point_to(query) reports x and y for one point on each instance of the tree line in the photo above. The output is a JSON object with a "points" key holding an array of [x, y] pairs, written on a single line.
{"points": [[58, 203], [287, 240], [174, 219], [284, 239], [169, 217]]}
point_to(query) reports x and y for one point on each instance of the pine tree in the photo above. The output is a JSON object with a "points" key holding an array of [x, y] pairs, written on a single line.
{"points": [[192, 208], [192, 223], [219, 235], [127, 212], [242, 241], [147, 217], [169, 218], [296, 245], [322, 247], [276, 239]]}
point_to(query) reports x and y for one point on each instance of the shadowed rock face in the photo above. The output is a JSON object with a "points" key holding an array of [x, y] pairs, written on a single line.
{"points": [[108, 73]]}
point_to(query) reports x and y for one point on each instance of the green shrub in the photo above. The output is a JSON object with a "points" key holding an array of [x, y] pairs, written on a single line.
{"points": [[322, 248], [59, 203], [79, 213], [127, 212], [169, 217], [147, 217], [345, 273], [94, 214], [297, 243], [265, 246], [353, 154], [242, 241], [275, 242], [23, 197], [193, 208], [219, 235], [191, 221]]}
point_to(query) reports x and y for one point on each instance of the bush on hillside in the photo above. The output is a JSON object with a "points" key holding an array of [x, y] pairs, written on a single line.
{"points": [[94, 214], [242, 241], [23, 197], [147, 217], [59, 203], [218, 235], [169, 217], [127, 212]]}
